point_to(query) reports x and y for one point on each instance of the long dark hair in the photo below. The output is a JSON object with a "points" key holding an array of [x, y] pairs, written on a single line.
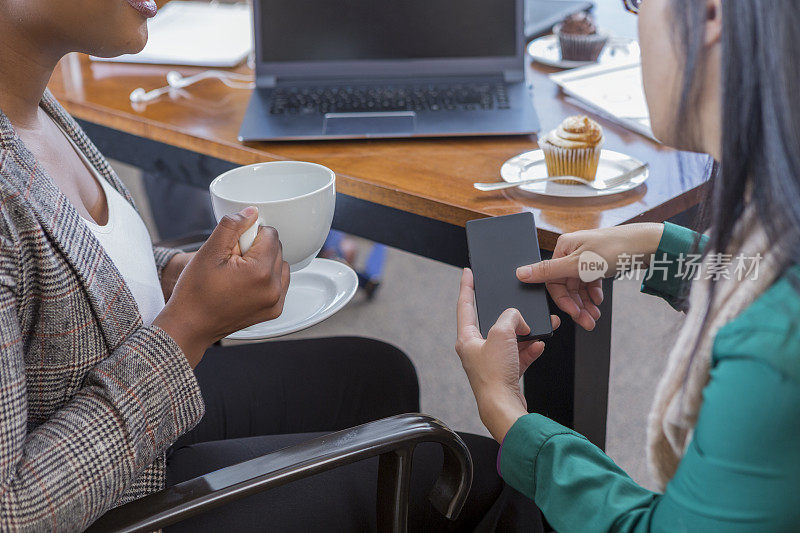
{"points": [[760, 114]]}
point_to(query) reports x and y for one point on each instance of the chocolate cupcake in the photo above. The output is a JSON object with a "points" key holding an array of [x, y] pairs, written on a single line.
{"points": [[579, 38], [573, 149]]}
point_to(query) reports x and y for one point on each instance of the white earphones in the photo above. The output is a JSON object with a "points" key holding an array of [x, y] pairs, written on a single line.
{"points": [[175, 80]]}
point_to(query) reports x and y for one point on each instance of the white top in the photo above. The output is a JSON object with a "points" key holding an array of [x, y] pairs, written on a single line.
{"points": [[127, 242]]}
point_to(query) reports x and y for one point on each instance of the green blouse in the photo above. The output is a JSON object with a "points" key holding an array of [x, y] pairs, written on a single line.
{"points": [[741, 471]]}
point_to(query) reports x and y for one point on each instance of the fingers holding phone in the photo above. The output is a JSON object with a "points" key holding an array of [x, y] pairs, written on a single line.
{"points": [[495, 364], [561, 275], [579, 293], [497, 247]]}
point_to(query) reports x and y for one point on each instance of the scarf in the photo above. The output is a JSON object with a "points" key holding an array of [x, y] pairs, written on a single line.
{"points": [[679, 394]]}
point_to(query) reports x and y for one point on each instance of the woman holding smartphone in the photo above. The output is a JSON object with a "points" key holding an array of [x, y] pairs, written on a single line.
{"points": [[720, 77]]}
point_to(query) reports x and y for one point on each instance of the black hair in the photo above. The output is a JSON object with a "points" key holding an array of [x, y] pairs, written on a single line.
{"points": [[760, 117]]}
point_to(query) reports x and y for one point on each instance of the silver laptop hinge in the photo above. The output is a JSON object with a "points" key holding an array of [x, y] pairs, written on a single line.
{"points": [[265, 80], [513, 76]]}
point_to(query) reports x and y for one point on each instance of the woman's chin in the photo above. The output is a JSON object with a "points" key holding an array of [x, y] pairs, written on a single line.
{"points": [[137, 43], [133, 44]]}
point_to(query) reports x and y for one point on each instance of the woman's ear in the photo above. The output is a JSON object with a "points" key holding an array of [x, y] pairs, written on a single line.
{"points": [[713, 33]]}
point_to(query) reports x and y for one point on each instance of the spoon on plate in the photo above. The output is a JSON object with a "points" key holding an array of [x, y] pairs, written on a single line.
{"points": [[609, 183]]}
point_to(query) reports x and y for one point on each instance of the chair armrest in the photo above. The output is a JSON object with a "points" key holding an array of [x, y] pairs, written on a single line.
{"points": [[392, 438]]}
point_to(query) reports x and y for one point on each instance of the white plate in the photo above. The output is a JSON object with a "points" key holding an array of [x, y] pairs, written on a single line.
{"points": [[531, 165], [315, 293], [547, 51]]}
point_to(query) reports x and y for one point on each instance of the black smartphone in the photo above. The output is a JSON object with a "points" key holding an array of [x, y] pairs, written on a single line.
{"points": [[497, 247]]}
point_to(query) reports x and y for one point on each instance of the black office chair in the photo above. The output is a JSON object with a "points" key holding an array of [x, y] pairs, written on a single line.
{"points": [[392, 439]]}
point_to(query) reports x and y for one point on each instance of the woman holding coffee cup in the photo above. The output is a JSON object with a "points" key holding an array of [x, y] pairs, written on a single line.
{"points": [[105, 365]]}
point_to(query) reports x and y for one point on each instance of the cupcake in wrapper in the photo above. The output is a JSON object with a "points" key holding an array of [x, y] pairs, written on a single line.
{"points": [[573, 149], [579, 38]]}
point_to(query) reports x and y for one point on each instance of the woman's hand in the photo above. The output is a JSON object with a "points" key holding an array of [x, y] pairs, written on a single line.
{"points": [[495, 365], [221, 291], [580, 299], [173, 270]]}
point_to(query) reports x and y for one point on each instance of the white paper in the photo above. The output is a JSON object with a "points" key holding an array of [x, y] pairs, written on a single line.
{"points": [[196, 33], [613, 91]]}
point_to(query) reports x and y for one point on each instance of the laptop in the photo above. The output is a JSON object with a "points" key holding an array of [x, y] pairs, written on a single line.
{"points": [[388, 68]]}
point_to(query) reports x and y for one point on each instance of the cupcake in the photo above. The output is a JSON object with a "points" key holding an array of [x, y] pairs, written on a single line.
{"points": [[573, 149], [580, 40]]}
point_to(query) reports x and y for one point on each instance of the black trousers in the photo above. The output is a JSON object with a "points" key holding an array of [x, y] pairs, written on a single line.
{"points": [[264, 397]]}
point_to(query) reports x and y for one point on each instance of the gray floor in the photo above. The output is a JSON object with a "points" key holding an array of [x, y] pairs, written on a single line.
{"points": [[414, 309]]}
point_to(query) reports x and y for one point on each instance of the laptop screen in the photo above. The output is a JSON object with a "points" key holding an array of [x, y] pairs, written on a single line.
{"points": [[347, 30]]}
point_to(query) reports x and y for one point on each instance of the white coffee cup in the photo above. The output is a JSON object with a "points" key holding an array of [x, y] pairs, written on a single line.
{"points": [[294, 197]]}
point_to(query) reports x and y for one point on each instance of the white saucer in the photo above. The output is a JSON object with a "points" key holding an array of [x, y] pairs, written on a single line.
{"points": [[315, 293], [531, 165], [547, 51]]}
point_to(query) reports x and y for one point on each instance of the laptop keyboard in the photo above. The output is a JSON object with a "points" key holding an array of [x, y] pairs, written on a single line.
{"points": [[371, 98]]}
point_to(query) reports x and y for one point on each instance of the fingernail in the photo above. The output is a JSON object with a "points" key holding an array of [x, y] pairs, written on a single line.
{"points": [[249, 211], [524, 272]]}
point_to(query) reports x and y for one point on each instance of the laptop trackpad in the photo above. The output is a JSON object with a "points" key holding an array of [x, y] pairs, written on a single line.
{"points": [[395, 123]]}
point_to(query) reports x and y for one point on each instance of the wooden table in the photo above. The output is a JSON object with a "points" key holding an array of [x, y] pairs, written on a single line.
{"points": [[412, 194]]}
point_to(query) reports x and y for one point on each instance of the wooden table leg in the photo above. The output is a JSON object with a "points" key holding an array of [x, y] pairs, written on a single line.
{"points": [[569, 383]]}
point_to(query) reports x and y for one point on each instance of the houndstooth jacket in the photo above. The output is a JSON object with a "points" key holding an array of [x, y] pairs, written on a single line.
{"points": [[90, 398]]}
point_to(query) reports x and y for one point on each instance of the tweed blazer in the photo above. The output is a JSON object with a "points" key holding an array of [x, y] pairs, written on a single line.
{"points": [[90, 398]]}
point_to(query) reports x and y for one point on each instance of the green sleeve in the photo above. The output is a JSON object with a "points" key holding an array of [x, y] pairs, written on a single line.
{"points": [[740, 472], [671, 266]]}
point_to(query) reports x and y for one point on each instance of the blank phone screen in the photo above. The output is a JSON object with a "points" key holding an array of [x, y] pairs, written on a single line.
{"points": [[497, 247]]}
